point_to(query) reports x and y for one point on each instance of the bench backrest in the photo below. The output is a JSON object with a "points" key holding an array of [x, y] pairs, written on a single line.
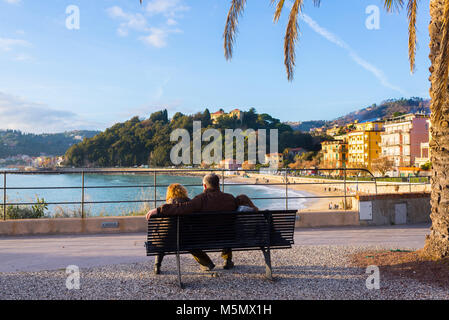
{"points": [[217, 230]]}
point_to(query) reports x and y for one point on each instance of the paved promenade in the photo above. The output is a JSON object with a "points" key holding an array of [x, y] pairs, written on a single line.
{"points": [[40, 253]]}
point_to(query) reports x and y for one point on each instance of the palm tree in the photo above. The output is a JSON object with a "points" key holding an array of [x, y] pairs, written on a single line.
{"points": [[437, 243]]}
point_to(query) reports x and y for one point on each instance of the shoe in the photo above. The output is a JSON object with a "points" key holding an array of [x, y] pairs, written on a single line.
{"points": [[207, 268], [157, 269], [228, 265]]}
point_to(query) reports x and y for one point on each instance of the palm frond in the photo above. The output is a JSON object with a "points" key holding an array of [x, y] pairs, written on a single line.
{"points": [[291, 37], [316, 3], [278, 11], [392, 5], [443, 65], [412, 9], [232, 21]]}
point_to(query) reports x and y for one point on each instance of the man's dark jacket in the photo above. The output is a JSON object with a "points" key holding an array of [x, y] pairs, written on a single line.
{"points": [[208, 201]]}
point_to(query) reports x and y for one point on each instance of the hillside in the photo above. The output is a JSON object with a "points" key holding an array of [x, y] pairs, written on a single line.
{"points": [[386, 109], [147, 141], [14, 142]]}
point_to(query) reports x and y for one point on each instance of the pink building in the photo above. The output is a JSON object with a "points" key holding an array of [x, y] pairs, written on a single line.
{"points": [[403, 137]]}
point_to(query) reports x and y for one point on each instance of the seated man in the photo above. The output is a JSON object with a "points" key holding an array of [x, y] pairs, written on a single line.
{"points": [[211, 200]]}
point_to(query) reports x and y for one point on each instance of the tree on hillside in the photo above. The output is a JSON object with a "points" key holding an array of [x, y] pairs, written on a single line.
{"points": [[437, 243]]}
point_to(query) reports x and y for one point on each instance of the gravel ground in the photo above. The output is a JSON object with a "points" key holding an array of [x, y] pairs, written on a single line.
{"points": [[303, 272]]}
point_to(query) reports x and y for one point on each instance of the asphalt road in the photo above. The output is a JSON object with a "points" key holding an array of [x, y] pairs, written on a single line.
{"points": [[39, 253]]}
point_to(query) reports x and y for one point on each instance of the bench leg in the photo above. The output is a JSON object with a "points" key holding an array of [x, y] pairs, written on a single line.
{"points": [[267, 256], [178, 264]]}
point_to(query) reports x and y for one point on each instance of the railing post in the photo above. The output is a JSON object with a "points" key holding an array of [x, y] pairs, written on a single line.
{"points": [[154, 185], [375, 185], [82, 195], [409, 184], [344, 186], [4, 195], [286, 189]]}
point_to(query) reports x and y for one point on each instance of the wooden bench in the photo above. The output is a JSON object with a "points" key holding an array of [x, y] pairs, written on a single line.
{"points": [[213, 231]]}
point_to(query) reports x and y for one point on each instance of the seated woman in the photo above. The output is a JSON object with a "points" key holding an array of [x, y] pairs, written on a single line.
{"points": [[176, 193], [244, 204]]}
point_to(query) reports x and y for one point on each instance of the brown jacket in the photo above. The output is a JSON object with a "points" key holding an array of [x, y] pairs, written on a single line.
{"points": [[208, 201]]}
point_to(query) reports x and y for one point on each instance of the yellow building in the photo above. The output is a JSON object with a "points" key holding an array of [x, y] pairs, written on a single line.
{"points": [[234, 113], [214, 116], [335, 153], [364, 144]]}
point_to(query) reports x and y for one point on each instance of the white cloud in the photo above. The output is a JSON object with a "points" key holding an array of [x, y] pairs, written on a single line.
{"points": [[156, 36], [12, 1], [22, 57], [379, 74], [168, 8], [7, 44], [20, 114]]}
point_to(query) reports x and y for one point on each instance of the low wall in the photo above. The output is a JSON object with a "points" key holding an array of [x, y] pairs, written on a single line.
{"points": [[73, 226], [313, 219]]}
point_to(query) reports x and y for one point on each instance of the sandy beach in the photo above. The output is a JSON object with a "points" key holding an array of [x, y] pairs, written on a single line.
{"points": [[309, 190]]}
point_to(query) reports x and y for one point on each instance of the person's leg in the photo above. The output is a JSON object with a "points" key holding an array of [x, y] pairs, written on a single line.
{"points": [[226, 254], [203, 259], [157, 263]]}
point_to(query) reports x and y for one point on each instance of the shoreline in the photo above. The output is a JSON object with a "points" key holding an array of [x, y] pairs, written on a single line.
{"points": [[311, 204]]}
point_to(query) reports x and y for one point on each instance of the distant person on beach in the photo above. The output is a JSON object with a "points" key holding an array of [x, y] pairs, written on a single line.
{"points": [[210, 200]]}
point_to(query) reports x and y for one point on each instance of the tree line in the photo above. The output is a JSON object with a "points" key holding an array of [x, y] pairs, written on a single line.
{"points": [[147, 141]]}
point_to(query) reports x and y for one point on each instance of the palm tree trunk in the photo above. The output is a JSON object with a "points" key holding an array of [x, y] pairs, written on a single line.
{"points": [[437, 243]]}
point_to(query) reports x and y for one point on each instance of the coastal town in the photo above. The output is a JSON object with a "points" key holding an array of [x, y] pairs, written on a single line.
{"points": [[395, 147]]}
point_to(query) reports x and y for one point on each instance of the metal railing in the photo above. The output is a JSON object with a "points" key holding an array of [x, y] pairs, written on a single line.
{"points": [[288, 177]]}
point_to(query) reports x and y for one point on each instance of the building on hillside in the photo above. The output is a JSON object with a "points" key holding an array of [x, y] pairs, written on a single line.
{"points": [[364, 144], [425, 155], [333, 131], [214, 116], [335, 153], [403, 138], [234, 113], [369, 125], [230, 164], [248, 166], [274, 159], [316, 131]]}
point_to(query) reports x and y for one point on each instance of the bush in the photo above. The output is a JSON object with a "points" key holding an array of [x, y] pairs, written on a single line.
{"points": [[24, 212]]}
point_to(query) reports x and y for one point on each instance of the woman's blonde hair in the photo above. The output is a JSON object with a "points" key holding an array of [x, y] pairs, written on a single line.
{"points": [[175, 191]]}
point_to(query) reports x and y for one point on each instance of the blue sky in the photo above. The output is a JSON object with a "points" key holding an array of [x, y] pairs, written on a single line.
{"points": [[128, 60]]}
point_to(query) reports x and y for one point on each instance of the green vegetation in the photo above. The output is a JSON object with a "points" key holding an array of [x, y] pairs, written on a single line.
{"points": [[147, 141], [36, 211], [14, 142]]}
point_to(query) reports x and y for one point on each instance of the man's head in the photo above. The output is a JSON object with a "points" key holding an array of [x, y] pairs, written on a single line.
{"points": [[211, 182]]}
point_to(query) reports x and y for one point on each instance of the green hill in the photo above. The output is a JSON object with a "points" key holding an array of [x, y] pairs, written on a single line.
{"points": [[14, 142], [147, 141]]}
